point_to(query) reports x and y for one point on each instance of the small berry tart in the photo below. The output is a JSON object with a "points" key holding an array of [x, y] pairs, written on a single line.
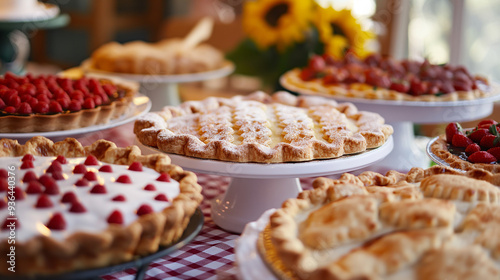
{"points": [[377, 77], [50, 103], [66, 207], [466, 149]]}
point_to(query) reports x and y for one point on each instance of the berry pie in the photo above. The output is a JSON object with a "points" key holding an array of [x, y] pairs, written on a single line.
{"points": [[263, 128], [385, 78], [82, 207], [437, 223], [50, 103]]}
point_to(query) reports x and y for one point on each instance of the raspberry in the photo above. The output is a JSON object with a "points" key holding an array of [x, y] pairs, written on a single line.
{"points": [[119, 197], [82, 183], [98, 189], [91, 160], [3, 204], [164, 177], [161, 197], [135, 166], [55, 107], [56, 222], [109, 89], [69, 197], [482, 157], [27, 164], [7, 223], [144, 209], [55, 167], [29, 176], [88, 103], [460, 140], [29, 157], [106, 168], [2, 104], [52, 188], [4, 185], [10, 109], [150, 187], [97, 100], [41, 107], [115, 217], [77, 207], [63, 102], [24, 109], [58, 176], [124, 179], [18, 193], [44, 202], [4, 173], [43, 98], [90, 176], [61, 159], [14, 101], [34, 187], [79, 169], [74, 105]]}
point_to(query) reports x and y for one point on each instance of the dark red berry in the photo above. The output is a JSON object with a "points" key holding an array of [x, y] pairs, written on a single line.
{"points": [[77, 207], [98, 189], [69, 197], [27, 164], [90, 176], [124, 179], [29, 176], [106, 168], [135, 166], [82, 182], [44, 202], [119, 197], [61, 159], [164, 177], [115, 217], [150, 187], [28, 157], [34, 187], [144, 209], [56, 222], [91, 160], [80, 169], [161, 197]]}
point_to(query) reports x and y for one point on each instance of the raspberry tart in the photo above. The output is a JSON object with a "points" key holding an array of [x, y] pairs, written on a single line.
{"points": [[263, 128], [437, 223], [376, 77], [50, 103], [82, 207]]}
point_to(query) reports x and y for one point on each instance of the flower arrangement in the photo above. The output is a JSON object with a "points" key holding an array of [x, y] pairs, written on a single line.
{"points": [[283, 34]]}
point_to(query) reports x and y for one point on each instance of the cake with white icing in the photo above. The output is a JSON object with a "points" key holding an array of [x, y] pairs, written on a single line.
{"points": [[64, 197]]}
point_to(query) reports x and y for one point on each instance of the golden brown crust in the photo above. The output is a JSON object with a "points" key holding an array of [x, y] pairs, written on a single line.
{"points": [[44, 255], [262, 128], [291, 81]]}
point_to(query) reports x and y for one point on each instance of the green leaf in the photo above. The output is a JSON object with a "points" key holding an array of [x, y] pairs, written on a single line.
{"points": [[493, 130], [496, 141]]}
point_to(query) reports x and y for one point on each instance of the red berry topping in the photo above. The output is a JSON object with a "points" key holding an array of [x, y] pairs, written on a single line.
{"points": [[91, 160], [55, 107], [88, 103], [79, 169], [3, 204], [482, 157], [495, 152], [19, 194], [61, 159], [74, 106], [27, 164], [124, 179], [77, 207], [135, 166], [119, 197], [29, 176], [82, 182], [98, 189], [90, 176], [24, 109], [44, 202], [56, 222], [69, 197], [488, 142], [4, 173], [55, 167], [144, 209], [150, 187], [164, 177], [478, 134], [451, 130], [10, 109], [58, 176], [115, 217], [41, 107], [4, 185], [28, 157], [106, 168], [10, 224], [460, 140], [52, 188], [486, 123], [34, 187], [161, 197], [472, 148]]}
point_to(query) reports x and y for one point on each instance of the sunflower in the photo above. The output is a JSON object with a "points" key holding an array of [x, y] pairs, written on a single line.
{"points": [[341, 32], [276, 22]]}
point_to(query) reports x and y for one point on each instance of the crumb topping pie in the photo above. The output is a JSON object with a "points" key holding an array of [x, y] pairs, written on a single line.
{"points": [[84, 207], [263, 128], [361, 227]]}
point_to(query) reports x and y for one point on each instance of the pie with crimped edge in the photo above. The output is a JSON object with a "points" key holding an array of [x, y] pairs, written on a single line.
{"points": [[82, 207], [51, 103], [377, 77], [435, 223], [263, 128]]}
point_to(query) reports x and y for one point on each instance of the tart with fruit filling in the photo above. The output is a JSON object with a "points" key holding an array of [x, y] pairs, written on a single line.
{"points": [[82, 207], [376, 77], [467, 149], [50, 103]]}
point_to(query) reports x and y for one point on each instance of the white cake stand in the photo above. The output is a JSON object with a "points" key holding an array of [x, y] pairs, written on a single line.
{"points": [[163, 89], [256, 187], [403, 114]]}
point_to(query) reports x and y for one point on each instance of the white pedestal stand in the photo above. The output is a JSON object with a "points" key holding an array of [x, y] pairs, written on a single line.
{"points": [[256, 187], [163, 90]]}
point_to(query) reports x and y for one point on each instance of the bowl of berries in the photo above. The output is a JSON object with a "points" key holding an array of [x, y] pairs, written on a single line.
{"points": [[468, 148]]}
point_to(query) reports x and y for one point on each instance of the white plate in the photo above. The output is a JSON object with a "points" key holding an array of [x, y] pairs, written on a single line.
{"points": [[140, 106], [226, 69], [43, 11]]}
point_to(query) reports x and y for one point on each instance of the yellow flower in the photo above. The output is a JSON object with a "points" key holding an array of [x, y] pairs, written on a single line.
{"points": [[340, 31], [276, 22]]}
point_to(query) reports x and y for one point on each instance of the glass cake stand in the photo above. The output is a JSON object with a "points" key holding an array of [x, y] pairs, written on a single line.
{"points": [[403, 114], [163, 89], [256, 187]]}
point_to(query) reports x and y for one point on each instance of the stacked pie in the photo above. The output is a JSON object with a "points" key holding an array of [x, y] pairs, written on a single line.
{"points": [[437, 223]]}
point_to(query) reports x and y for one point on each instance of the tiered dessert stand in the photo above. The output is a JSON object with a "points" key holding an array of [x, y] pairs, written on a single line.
{"points": [[163, 89], [402, 115], [256, 187]]}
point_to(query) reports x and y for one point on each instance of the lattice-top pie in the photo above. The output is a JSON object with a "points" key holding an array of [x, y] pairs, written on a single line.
{"points": [[436, 223], [263, 128]]}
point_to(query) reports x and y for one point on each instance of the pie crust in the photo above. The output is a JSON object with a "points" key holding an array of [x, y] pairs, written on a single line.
{"points": [[449, 230], [263, 128], [46, 254]]}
